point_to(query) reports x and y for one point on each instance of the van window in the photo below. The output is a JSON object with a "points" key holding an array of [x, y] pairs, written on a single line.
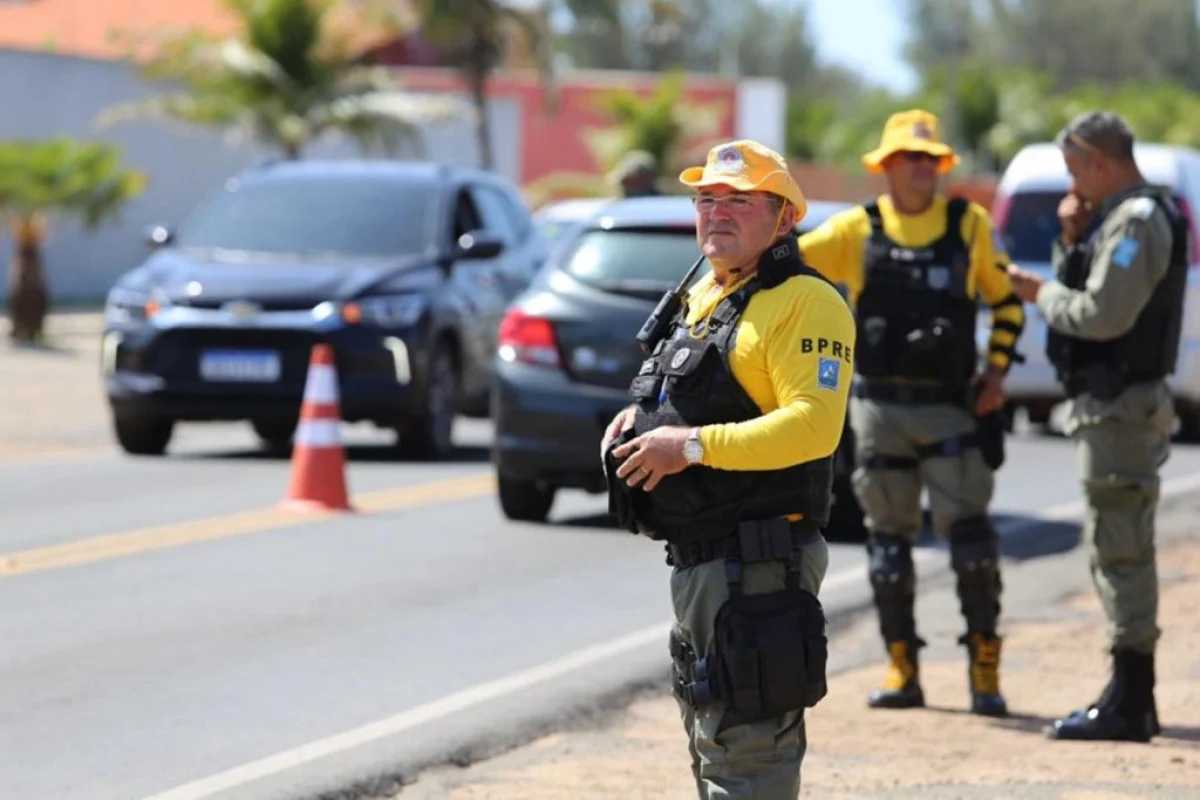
{"points": [[1031, 226]]}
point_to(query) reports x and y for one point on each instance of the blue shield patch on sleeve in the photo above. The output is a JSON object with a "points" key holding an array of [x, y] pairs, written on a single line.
{"points": [[827, 373], [1124, 253]]}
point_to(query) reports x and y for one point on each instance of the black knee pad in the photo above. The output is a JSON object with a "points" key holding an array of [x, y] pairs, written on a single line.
{"points": [[893, 581], [975, 558]]}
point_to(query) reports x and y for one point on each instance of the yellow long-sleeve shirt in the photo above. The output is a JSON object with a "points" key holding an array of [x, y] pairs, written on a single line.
{"points": [[836, 249], [793, 356]]}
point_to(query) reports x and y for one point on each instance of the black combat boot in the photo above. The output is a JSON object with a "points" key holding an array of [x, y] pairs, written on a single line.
{"points": [[1126, 710], [902, 685], [983, 674]]}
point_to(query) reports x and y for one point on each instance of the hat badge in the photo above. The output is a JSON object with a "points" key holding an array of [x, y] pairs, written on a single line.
{"points": [[729, 159], [921, 130]]}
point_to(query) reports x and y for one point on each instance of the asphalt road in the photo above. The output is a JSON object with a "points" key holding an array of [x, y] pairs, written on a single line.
{"points": [[163, 629]]}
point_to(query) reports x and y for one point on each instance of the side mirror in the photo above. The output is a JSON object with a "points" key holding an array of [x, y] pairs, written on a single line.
{"points": [[157, 236], [478, 245]]}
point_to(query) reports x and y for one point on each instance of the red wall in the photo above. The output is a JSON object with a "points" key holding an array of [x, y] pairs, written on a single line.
{"points": [[554, 143]]}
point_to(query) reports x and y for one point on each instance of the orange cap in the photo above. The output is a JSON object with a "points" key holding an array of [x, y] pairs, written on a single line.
{"points": [[912, 130], [747, 166]]}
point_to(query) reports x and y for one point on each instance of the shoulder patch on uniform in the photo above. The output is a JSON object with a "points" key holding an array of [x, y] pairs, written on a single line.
{"points": [[828, 370], [1124, 252], [1141, 208]]}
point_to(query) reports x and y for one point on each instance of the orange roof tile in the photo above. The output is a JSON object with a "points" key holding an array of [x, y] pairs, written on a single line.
{"points": [[82, 27]]}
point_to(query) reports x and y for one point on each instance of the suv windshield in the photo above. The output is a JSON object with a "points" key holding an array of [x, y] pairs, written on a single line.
{"points": [[1031, 226], [349, 216], [643, 261]]}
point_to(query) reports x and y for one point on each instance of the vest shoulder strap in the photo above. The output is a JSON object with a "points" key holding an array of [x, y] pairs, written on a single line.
{"points": [[873, 215], [956, 210]]}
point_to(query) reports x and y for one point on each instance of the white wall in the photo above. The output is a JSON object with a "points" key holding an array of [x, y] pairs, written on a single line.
{"points": [[46, 95], [762, 112]]}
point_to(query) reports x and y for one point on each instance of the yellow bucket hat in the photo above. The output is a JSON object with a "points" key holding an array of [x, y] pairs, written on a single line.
{"points": [[747, 166], [915, 129]]}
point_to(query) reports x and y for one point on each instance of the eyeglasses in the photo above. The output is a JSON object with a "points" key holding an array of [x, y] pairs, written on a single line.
{"points": [[735, 203]]}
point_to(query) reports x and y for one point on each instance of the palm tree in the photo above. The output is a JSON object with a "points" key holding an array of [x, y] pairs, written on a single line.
{"points": [[475, 36], [664, 124], [84, 180], [289, 78]]}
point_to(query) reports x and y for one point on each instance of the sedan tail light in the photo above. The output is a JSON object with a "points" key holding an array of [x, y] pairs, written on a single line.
{"points": [[528, 339]]}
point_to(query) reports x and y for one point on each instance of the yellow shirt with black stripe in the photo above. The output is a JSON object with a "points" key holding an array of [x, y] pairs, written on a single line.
{"points": [[836, 249], [792, 354]]}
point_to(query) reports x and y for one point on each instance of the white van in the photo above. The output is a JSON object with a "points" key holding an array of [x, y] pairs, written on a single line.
{"points": [[1025, 214]]}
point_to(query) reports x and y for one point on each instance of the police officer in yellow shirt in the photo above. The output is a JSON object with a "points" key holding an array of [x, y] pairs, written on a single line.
{"points": [[914, 263], [726, 455]]}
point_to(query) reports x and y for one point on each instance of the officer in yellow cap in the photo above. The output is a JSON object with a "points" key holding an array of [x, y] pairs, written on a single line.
{"points": [[915, 264], [726, 456]]}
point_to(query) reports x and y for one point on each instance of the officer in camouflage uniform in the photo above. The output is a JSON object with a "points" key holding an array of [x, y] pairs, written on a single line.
{"points": [[916, 263], [727, 457], [1114, 315]]}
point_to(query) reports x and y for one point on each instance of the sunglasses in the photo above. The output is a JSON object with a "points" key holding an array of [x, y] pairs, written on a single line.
{"points": [[916, 157]]}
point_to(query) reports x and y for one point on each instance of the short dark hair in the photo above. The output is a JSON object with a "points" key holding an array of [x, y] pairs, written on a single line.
{"points": [[1102, 132]]}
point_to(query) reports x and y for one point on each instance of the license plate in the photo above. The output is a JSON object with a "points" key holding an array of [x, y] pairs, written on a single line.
{"points": [[240, 366]]}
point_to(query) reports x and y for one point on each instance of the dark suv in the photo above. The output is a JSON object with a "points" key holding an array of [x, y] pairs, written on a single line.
{"points": [[404, 268], [567, 352]]}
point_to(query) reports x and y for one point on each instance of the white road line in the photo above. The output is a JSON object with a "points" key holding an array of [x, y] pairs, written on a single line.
{"points": [[588, 656]]}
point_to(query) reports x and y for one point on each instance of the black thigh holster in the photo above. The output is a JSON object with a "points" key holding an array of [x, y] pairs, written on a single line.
{"points": [[769, 651]]}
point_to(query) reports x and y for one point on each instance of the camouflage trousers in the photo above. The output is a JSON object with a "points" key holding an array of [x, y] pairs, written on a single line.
{"points": [[1121, 445]]}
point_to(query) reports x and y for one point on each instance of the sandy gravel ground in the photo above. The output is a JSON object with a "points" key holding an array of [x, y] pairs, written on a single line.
{"points": [[1051, 664], [53, 398]]}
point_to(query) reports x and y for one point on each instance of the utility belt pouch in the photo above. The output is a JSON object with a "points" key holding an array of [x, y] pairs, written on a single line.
{"points": [[622, 501], [989, 436], [769, 650]]}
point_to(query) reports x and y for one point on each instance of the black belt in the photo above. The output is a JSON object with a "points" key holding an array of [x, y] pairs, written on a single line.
{"points": [[1105, 385], [755, 540], [909, 393]]}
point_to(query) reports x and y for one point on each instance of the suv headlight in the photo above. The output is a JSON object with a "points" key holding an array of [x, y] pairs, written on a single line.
{"points": [[391, 311], [124, 306]]}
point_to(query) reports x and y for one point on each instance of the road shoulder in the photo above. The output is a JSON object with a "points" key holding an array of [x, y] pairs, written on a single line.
{"points": [[1054, 660]]}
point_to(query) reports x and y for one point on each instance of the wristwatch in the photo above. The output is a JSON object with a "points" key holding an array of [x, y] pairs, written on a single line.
{"points": [[693, 450]]}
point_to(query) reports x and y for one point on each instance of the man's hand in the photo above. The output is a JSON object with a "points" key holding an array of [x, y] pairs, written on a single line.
{"points": [[623, 420], [652, 456], [991, 392], [1025, 284], [1074, 214]]}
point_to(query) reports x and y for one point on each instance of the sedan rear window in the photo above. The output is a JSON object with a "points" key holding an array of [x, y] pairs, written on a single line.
{"points": [[633, 261]]}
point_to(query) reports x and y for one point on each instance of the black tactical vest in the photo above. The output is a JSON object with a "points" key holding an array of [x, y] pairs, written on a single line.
{"points": [[915, 317], [1149, 349], [687, 381]]}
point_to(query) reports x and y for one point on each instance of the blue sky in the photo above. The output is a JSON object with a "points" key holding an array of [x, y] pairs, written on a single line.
{"points": [[864, 35]]}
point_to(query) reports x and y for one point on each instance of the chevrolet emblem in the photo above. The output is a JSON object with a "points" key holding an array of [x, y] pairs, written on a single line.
{"points": [[241, 310]]}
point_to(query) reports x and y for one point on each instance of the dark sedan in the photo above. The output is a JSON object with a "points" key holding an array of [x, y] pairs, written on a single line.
{"points": [[567, 352], [404, 268]]}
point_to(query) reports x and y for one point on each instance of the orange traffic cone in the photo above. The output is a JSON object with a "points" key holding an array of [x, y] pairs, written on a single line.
{"points": [[318, 481]]}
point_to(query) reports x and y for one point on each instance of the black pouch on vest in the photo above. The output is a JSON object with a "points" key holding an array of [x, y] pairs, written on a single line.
{"points": [[770, 653], [621, 502]]}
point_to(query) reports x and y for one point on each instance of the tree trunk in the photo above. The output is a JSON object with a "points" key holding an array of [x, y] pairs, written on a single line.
{"points": [[477, 78], [28, 299]]}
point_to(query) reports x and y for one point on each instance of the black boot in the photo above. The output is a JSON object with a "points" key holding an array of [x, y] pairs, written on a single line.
{"points": [[983, 674], [1126, 709], [902, 685]]}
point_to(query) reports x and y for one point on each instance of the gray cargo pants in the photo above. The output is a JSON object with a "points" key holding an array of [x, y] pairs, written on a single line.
{"points": [[759, 760], [1121, 445]]}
